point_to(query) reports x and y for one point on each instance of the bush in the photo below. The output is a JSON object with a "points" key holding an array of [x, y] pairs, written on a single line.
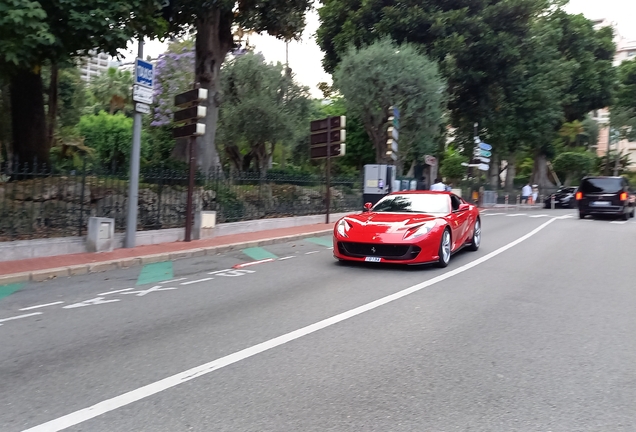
{"points": [[110, 135]]}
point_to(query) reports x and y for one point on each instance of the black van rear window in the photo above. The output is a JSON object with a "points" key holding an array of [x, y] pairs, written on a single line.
{"points": [[602, 185]]}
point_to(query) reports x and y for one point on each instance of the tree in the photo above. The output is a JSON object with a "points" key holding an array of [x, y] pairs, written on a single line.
{"points": [[214, 23], [261, 108], [111, 90], [374, 78], [33, 33], [451, 167], [476, 42], [574, 164]]}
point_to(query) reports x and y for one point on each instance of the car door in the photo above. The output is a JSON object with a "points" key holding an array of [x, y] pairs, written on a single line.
{"points": [[459, 221]]}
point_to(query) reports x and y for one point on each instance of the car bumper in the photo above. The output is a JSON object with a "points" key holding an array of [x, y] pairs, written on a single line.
{"points": [[410, 254]]}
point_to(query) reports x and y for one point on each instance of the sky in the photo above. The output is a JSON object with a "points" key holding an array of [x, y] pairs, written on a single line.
{"points": [[305, 57]]}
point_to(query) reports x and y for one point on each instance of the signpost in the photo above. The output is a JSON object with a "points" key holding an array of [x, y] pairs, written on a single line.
{"points": [[142, 96], [328, 139], [393, 133], [190, 114]]}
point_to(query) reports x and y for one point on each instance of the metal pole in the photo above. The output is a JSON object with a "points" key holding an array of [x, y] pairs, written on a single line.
{"points": [[192, 169], [133, 185], [328, 167]]}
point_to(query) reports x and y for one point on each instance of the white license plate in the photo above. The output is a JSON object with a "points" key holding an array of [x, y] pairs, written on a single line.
{"points": [[373, 259], [601, 203]]}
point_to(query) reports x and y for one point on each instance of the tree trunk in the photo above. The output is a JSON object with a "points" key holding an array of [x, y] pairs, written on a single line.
{"points": [[494, 173], [214, 40], [540, 172], [511, 172], [28, 119], [53, 104]]}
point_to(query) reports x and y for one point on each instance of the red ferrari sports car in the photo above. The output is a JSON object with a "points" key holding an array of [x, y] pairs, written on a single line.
{"points": [[417, 227]]}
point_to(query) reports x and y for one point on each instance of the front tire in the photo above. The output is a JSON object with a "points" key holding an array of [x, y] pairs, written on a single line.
{"points": [[476, 240], [444, 249]]}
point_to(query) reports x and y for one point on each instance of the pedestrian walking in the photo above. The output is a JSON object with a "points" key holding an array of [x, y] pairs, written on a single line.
{"points": [[438, 185], [526, 192]]}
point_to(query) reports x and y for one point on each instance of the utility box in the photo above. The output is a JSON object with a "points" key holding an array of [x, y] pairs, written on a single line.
{"points": [[204, 223], [379, 180], [101, 235]]}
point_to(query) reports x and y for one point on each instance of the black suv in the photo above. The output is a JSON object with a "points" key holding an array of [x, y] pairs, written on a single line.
{"points": [[605, 195]]}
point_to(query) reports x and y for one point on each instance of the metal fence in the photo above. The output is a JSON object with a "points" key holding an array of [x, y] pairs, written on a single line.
{"points": [[44, 203]]}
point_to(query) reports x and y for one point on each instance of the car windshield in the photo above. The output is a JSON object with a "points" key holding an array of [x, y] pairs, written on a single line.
{"points": [[602, 185], [414, 203]]}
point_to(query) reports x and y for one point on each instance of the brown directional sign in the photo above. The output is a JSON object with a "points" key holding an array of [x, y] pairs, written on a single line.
{"points": [[336, 137], [321, 125], [194, 129], [321, 152], [190, 97], [189, 114]]}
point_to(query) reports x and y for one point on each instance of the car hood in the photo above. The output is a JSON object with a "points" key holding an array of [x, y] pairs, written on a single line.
{"points": [[380, 223]]}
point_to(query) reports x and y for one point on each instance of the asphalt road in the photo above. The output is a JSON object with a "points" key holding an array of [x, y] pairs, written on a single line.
{"points": [[534, 332]]}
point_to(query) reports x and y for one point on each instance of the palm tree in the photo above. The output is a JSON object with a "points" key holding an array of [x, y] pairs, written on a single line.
{"points": [[113, 89]]}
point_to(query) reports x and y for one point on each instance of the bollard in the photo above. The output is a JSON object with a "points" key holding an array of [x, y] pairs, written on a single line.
{"points": [[553, 202], [518, 201], [506, 201]]}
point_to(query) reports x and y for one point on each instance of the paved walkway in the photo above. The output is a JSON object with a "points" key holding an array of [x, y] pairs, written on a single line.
{"points": [[38, 269]]}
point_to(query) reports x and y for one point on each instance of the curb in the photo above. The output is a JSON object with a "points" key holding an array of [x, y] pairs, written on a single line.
{"points": [[104, 266]]}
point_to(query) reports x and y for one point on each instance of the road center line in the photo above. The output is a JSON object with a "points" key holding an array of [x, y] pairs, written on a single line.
{"points": [[140, 393], [41, 306], [19, 317]]}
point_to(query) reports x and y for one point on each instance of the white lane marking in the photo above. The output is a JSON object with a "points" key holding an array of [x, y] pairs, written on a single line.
{"points": [[286, 258], [517, 214], [172, 281], [235, 273], [330, 248], [540, 216], [311, 252], [115, 292], [91, 302], [41, 306], [219, 271], [155, 288], [20, 317], [196, 281], [492, 214], [124, 399], [251, 263], [619, 222]]}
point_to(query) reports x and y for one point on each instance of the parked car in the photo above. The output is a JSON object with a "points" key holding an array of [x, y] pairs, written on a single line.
{"points": [[605, 196], [564, 197]]}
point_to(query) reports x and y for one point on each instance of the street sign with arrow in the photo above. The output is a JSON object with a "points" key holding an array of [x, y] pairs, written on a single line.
{"points": [[485, 146]]}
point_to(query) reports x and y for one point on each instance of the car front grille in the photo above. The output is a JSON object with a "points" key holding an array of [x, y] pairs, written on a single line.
{"points": [[398, 252]]}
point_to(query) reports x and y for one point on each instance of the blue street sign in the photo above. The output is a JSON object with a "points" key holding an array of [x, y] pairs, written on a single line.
{"points": [[485, 146], [396, 113], [144, 73]]}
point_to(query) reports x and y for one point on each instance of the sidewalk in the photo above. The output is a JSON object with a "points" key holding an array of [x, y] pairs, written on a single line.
{"points": [[40, 269]]}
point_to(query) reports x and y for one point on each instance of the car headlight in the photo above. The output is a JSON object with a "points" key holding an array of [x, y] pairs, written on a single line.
{"points": [[420, 230], [343, 227]]}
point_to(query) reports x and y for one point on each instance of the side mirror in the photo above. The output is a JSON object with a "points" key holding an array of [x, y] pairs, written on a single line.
{"points": [[367, 207], [463, 207]]}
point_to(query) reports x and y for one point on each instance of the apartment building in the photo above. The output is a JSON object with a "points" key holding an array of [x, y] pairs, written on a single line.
{"points": [[625, 50], [93, 65]]}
